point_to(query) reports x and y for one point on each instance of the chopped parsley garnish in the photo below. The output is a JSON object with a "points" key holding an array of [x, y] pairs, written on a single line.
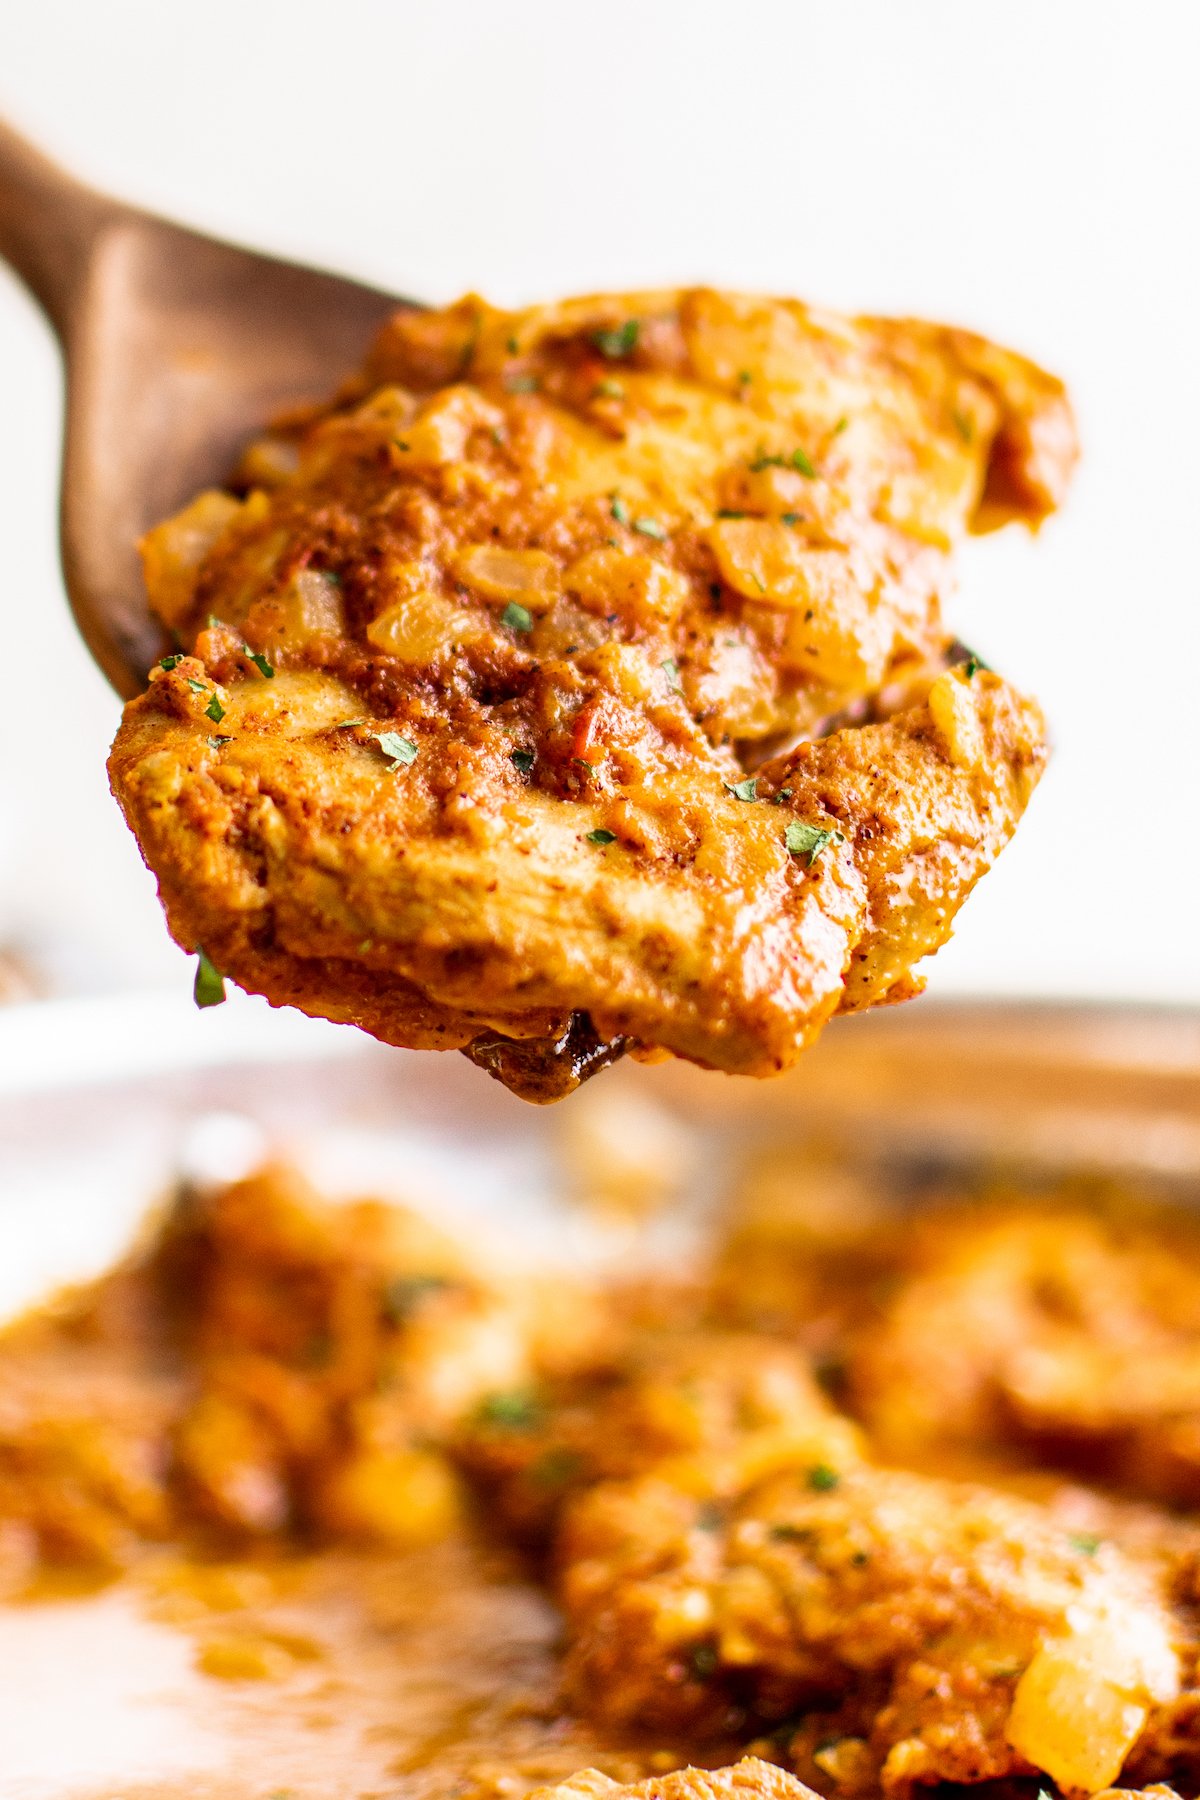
{"points": [[822, 1479], [214, 711], [617, 343], [265, 669], [619, 510], [556, 1466], [792, 518], [404, 1294], [171, 662], [197, 687], [516, 1410], [972, 667], [650, 528], [517, 618], [601, 835], [963, 426], [521, 384], [512, 346], [523, 760], [208, 989], [670, 669], [401, 750], [1086, 1542], [797, 460], [219, 743], [781, 796], [728, 512], [743, 790], [810, 840], [745, 377], [347, 724], [608, 389], [840, 426]]}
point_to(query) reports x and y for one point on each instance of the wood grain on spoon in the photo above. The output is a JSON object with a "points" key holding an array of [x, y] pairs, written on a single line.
{"points": [[177, 347]]}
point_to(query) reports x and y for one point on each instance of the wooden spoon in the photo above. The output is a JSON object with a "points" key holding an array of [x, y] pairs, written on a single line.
{"points": [[177, 347]]}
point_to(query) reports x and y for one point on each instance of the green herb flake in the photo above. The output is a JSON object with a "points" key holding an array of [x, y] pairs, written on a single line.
{"points": [[728, 512], [799, 460], [840, 426], [617, 343], [557, 1466], [400, 750], [619, 510], [265, 669], [208, 989], [601, 835], [512, 346], [743, 790], [810, 840], [650, 528], [214, 710], [405, 1293], [703, 1661], [521, 384], [1086, 1542], [514, 1410], [171, 662], [964, 426], [517, 618], [670, 669], [822, 1479], [781, 796], [608, 389], [347, 724], [745, 377], [523, 760], [219, 743], [197, 687], [792, 518], [972, 667]]}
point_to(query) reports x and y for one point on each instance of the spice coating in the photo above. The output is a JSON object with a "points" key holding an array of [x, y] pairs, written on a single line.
{"points": [[497, 642]]}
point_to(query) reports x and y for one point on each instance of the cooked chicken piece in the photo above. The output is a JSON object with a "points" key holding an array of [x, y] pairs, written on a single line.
{"points": [[332, 1347], [711, 1412], [83, 1469], [479, 668], [973, 1636], [1064, 1331], [749, 1779]]}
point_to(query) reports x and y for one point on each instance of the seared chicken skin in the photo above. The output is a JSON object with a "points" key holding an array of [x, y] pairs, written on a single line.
{"points": [[750, 1779], [485, 734]]}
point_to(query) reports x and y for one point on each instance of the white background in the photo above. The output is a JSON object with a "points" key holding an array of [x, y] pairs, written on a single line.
{"points": [[1032, 170]]}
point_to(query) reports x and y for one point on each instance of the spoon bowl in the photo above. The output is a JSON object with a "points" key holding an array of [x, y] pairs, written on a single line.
{"points": [[177, 348]]}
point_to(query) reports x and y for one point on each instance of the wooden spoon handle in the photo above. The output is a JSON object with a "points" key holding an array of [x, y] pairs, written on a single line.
{"points": [[48, 222]]}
